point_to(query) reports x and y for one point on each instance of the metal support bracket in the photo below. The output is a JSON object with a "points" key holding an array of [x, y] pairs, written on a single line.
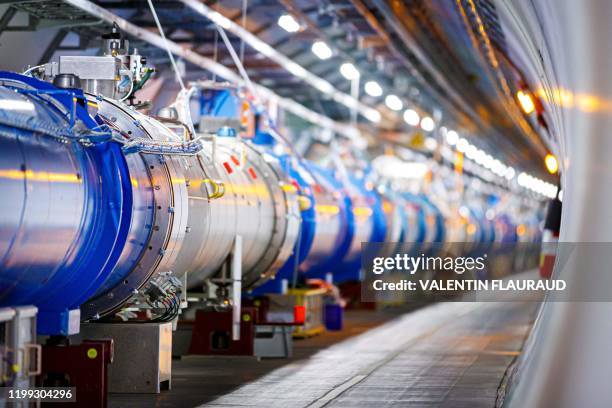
{"points": [[236, 264]]}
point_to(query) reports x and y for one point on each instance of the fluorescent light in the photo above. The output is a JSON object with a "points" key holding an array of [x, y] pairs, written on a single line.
{"points": [[526, 101], [411, 117], [393, 102], [510, 173], [427, 124], [373, 116], [480, 157], [288, 23], [431, 143], [321, 50], [536, 185], [373, 89], [349, 71], [552, 165], [281, 59], [452, 137], [471, 151], [462, 145], [498, 168]]}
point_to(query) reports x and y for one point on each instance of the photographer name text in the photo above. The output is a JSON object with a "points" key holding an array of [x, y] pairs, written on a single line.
{"points": [[471, 285]]}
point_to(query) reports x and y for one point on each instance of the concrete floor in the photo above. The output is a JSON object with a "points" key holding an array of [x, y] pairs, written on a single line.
{"points": [[444, 355]]}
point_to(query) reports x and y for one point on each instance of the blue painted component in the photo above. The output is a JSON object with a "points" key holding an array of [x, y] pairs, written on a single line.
{"points": [[296, 171], [375, 225], [380, 222], [226, 131], [220, 103], [480, 222], [405, 227], [74, 108], [439, 228], [506, 229], [421, 223], [334, 317], [63, 233], [312, 182], [263, 138], [319, 264], [308, 226]]}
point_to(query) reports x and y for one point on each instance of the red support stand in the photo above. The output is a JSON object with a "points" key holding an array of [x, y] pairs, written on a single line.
{"points": [[84, 366], [212, 333], [351, 292]]}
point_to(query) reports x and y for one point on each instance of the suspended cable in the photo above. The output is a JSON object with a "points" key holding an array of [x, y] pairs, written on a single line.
{"points": [[238, 62], [166, 45], [244, 15], [215, 53]]}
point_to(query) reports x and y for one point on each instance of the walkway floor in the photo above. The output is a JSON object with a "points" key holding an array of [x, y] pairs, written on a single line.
{"points": [[447, 355], [450, 354]]}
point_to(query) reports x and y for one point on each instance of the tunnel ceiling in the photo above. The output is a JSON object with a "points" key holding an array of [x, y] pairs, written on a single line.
{"points": [[445, 57]]}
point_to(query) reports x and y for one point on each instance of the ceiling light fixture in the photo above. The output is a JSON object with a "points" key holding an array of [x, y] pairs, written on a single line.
{"points": [[349, 71], [393, 102], [552, 165], [288, 23], [322, 50], [411, 117], [427, 124], [526, 101], [372, 88]]}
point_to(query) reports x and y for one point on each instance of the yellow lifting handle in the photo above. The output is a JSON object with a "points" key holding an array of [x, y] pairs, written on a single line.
{"points": [[218, 188]]}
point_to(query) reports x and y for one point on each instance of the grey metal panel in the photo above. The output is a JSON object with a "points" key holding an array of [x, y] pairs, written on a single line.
{"points": [[103, 68], [142, 355]]}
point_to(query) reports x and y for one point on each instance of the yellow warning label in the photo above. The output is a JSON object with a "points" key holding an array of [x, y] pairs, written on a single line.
{"points": [[417, 141]]}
